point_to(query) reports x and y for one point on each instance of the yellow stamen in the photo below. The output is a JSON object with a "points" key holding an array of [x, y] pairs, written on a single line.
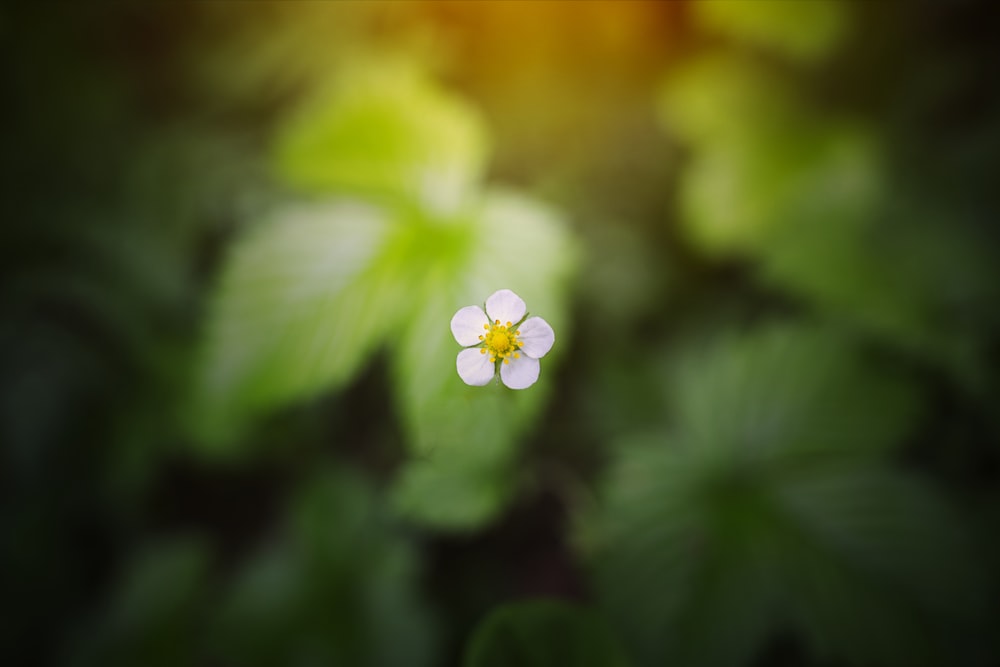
{"points": [[501, 342]]}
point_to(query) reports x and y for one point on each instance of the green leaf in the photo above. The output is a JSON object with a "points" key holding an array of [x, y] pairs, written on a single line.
{"points": [[766, 508], [543, 633], [465, 437], [701, 565], [302, 301], [385, 130]]}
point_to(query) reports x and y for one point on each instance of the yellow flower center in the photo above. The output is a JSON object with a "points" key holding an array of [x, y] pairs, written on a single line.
{"points": [[500, 341]]}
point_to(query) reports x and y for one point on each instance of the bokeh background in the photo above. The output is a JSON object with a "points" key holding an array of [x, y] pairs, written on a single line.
{"points": [[764, 231]]}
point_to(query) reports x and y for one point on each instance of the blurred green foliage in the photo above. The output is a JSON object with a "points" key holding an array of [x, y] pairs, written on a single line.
{"points": [[804, 32], [543, 632], [386, 130], [305, 298], [157, 612], [763, 232], [327, 589], [768, 504], [332, 590]]}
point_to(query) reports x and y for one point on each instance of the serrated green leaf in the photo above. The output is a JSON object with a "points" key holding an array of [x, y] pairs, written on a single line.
{"points": [[385, 130], [766, 509], [543, 633], [302, 301], [701, 565]]}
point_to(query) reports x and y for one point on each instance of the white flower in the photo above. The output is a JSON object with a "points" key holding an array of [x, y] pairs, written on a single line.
{"points": [[502, 339]]}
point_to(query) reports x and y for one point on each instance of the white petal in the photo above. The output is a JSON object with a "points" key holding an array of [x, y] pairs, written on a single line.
{"points": [[505, 306], [467, 325], [520, 373], [537, 337], [474, 367]]}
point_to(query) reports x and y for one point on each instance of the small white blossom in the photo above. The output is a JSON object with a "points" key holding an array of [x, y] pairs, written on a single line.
{"points": [[503, 339]]}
